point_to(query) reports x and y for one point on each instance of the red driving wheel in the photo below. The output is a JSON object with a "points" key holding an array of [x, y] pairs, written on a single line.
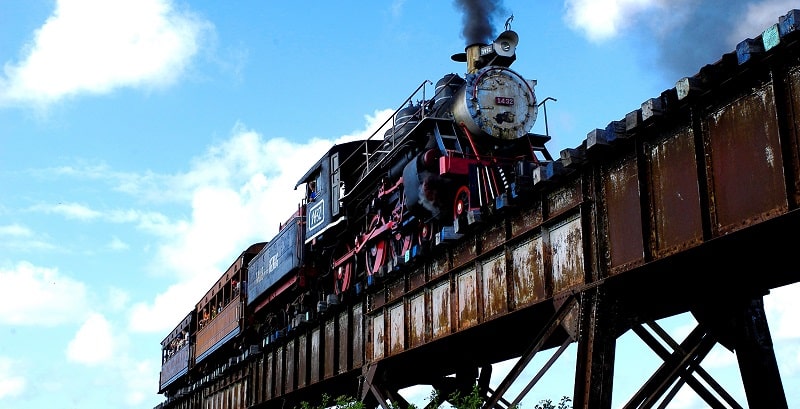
{"points": [[343, 272], [461, 203]]}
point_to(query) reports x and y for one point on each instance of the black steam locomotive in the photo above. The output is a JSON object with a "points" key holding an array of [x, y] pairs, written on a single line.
{"points": [[371, 208]]}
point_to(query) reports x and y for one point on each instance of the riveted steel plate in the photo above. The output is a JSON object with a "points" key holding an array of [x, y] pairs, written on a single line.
{"points": [[493, 237], [467, 298], [280, 370], [495, 285], [566, 243], [288, 380], [527, 219], [397, 328], [357, 336], [302, 360], [564, 198], [330, 348], [528, 271], [674, 193], [440, 309], [377, 345], [316, 354], [439, 264], [745, 162], [464, 252], [344, 342], [620, 186], [416, 320]]}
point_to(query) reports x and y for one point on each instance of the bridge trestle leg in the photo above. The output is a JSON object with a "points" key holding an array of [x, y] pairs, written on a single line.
{"points": [[537, 343], [756, 356], [597, 340]]}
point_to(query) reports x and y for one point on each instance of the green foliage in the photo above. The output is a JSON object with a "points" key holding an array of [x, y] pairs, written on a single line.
{"points": [[472, 401], [564, 403]]}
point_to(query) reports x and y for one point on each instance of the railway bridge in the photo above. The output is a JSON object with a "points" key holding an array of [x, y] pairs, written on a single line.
{"points": [[688, 203]]}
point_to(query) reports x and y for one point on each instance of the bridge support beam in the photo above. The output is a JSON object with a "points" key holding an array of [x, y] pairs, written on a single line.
{"points": [[756, 356], [597, 340]]}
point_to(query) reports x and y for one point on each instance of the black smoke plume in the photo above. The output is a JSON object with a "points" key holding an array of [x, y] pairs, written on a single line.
{"points": [[478, 16]]}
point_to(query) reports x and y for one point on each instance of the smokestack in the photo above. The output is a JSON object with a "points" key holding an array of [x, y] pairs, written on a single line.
{"points": [[477, 19], [477, 29]]}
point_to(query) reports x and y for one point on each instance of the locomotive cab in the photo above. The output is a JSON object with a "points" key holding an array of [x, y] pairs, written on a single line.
{"points": [[327, 183]]}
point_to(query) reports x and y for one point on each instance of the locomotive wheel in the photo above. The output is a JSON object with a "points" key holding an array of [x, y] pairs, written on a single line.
{"points": [[343, 274], [424, 232], [375, 256], [461, 202], [402, 244]]}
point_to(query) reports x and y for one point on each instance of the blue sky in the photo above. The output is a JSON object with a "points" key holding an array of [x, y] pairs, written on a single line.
{"points": [[145, 143]]}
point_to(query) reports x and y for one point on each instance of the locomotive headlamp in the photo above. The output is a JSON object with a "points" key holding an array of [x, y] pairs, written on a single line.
{"points": [[506, 44]]}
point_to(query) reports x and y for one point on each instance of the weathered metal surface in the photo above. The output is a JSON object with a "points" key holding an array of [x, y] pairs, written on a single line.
{"points": [[416, 278], [330, 348], [357, 336], [566, 246], [289, 377], [439, 265], [416, 320], [467, 298], [464, 252], [623, 216], [279, 370], [269, 377], [397, 328], [344, 342], [527, 219], [316, 354], [564, 199], [674, 193], [493, 237], [528, 272], [377, 346], [495, 286], [440, 309], [793, 102], [302, 360], [745, 162], [395, 289], [376, 299]]}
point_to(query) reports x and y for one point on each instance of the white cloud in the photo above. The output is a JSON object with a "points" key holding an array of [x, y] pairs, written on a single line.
{"points": [[35, 295], [117, 244], [11, 383], [759, 16], [95, 46], [69, 210], [93, 343], [604, 19], [15, 230], [239, 191]]}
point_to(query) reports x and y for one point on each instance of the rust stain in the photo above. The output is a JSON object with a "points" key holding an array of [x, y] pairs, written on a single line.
{"points": [[747, 185], [344, 344], [315, 354], [467, 299], [495, 296], [566, 242], [377, 336], [416, 307], [528, 272], [676, 218], [441, 309]]}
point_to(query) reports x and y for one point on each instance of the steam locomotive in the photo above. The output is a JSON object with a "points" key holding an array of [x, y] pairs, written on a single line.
{"points": [[371, 209]]}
